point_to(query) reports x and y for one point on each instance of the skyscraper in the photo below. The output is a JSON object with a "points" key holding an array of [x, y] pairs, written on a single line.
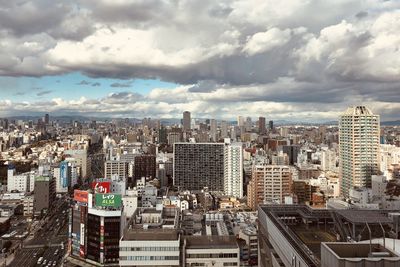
{"points": [[186, 121], [271, 125], [47, 119], [213, 130], [224, 129], [358, 147], [261, 125], [233, 170], [240, 121], [199, 165]]}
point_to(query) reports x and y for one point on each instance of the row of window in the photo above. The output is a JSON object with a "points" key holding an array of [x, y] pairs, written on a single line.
{"points": [[149, 249], [208, 255], [204, 264], [149, 258]]}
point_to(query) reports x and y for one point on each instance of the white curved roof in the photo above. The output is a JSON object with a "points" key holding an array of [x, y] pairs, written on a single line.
{"points": [[358, 110]]}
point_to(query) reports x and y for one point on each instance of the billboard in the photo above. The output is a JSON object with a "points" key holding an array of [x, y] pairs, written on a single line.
{"points": [[81, 196], [101, 187], [108, 200], [64, 174]]}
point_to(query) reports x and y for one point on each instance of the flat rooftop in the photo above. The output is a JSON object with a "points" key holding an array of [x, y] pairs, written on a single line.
{"points": [[150, 234], [365, 216], [206, 242], [359, 250]]}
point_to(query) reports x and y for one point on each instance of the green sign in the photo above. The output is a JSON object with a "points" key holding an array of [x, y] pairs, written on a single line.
{"points": [[108, 200]]}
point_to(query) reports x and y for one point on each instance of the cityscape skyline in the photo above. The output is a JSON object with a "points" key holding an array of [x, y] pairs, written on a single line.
{"points": [[122, 58], [254, 133]]}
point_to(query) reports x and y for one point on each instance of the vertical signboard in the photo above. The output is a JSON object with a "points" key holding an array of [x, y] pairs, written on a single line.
{"points": [[64, 174], [82, 232], [101, 239]]}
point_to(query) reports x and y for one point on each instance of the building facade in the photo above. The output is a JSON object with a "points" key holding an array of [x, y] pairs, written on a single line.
{"points": [[359, 131], [233, 170], [199, 165], [186, 121]]}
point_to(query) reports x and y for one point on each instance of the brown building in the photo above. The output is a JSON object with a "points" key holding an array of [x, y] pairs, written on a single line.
{"points": [[303, 191], [145, 166], [269, 184]]}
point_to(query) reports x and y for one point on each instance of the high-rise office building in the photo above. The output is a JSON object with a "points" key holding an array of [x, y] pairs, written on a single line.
{"points": [[145, 166], [213, 130], [46, 119], [240, 121], [199, 165], [292, 151], [233, 170], [359, 132], [271, 125], [261, 125], [248, 124], [186, 121], [224, 129]]}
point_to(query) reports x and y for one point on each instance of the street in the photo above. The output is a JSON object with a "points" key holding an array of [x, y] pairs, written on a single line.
{"points": [[48, 239]]}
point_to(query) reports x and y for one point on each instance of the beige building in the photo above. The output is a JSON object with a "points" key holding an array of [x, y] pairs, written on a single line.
{"points": [[359, 131]]}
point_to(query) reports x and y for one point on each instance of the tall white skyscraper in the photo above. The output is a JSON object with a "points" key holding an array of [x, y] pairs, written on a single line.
{"points": [[233, 170], [359, 131]]}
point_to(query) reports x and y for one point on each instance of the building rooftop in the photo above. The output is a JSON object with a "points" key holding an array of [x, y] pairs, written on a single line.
{"points": [[359, 250], [365, 216], [150, 234], [206, 242], [358, 110]]}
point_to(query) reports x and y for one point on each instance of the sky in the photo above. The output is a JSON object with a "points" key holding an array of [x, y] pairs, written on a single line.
{"points": [[298, 60]]}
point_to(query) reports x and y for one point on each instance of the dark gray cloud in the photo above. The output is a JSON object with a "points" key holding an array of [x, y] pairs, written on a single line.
{"points": [[96, 84], [84, 82], [121, 85], [42, 93]]}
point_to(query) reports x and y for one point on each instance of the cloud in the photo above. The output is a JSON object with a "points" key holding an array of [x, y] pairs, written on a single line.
{"points": [[121, 85], [227, 56], [83, 82], [265, 41], [42, 93], [20, 93]]}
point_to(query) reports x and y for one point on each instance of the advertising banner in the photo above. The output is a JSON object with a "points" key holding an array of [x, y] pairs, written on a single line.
{"points": [[101, 187], [108, 200], [81, 196], [64, 174]]}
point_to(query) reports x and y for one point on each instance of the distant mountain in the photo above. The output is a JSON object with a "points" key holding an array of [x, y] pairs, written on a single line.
{"points": [[171, 121], [390, 123]]}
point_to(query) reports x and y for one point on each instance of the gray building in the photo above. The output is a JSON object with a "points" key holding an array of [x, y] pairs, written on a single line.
{"points": [[45, 193], [186, 121], [199, 165], [261, 125]]}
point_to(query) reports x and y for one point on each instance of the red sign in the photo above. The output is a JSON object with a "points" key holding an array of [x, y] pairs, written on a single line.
{"points": [[82, 251], [101, 187], [81, 196]]}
